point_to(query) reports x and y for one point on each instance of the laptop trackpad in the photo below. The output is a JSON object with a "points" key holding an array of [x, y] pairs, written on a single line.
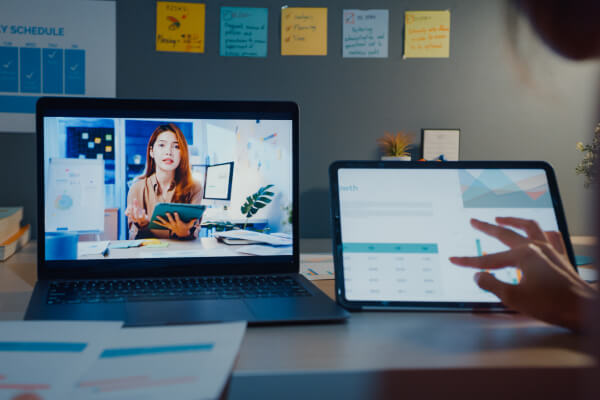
{"points": [[186, 312]]}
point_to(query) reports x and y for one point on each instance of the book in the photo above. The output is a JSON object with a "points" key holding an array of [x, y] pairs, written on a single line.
{"points": [[15, 242], [10, 221]]}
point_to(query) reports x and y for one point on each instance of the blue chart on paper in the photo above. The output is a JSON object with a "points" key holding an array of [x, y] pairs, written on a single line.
{"points": [[29, 72]]}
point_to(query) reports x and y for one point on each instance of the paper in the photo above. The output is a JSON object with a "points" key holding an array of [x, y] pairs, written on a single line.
{"points": [[257, 237], [439, 142], [303, 31], [317, 266], [258, 250], [91, 248], [179, 362], [47, 358], [180, 26], [244, 31], [56, 48], [125, 244], [365, 33], [427, 34]]}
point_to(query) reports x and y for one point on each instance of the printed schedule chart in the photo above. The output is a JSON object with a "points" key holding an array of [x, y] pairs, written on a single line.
{"points": [[42, 70]]}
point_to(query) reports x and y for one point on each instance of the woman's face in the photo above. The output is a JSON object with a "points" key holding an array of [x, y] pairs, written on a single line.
{"points": [[166, 152]]}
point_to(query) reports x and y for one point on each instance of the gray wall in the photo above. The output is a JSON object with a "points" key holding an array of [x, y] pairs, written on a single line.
{"points": [[345, 104]]}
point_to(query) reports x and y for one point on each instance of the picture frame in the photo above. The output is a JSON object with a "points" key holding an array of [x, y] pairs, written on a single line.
{"points": [[440, 144]]}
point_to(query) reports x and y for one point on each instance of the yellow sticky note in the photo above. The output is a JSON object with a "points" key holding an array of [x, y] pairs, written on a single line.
{"points": [[304, 31], [427, 34], [180, 26], [97, 140]]}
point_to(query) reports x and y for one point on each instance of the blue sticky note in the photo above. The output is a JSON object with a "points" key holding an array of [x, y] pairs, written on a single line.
{"points": [[31, 70], [244, 31], [75, 71], [52, 62], [9, 69]]}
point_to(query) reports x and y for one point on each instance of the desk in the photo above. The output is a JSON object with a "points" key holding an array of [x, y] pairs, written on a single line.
{"points": [[200, 247], [344, 359]]}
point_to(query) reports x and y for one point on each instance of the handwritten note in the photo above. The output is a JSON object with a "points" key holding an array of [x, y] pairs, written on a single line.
{"points": [[365, 33], [303, 31], [180, 27], [427, 34], [244, 31]]}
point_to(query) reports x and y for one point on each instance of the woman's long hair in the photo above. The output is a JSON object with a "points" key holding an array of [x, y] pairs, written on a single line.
{"points": [[183, 181]]}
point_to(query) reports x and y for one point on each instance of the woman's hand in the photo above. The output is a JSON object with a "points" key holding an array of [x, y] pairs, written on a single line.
{"points": [[176, 225], [550, 289], [137, 215]]}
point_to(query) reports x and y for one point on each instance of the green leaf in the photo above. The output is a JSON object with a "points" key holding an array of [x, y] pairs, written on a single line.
{"points": [[253, 211], [258, 204], [268, 194], [264, 199]]}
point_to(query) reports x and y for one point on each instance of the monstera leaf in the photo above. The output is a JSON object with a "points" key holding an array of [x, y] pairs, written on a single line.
{"points": [[258, 200]]}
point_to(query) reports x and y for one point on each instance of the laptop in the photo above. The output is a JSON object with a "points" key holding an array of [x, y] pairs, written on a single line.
{"points": [[104, 165], [395, 224]]}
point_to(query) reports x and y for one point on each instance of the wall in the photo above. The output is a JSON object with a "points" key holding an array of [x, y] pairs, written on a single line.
{"points": [[345, 104]]}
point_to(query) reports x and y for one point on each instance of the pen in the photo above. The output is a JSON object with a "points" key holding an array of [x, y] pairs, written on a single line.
{"points": [[105, 252]]}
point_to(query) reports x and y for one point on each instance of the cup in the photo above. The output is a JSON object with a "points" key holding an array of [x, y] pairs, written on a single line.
{"points": [[61, 245]]}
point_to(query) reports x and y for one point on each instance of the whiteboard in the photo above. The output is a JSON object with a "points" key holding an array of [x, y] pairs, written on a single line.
{"points": [[75, 195]]}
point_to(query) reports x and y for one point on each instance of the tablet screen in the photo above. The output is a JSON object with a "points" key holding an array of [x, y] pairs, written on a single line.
{"points": [[399, 226]]}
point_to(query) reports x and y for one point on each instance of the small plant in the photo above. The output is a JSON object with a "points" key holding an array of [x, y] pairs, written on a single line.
{"points": [[255, 202], [590, 153], [396, 146]]}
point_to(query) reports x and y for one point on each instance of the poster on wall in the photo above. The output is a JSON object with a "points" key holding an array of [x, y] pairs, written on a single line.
{"points": [[53, 48]]}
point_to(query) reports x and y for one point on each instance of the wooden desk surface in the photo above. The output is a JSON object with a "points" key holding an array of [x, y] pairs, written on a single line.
{"points": [[371, 340]]}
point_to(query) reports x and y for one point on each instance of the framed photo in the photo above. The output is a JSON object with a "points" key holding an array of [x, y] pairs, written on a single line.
{"points": [[441, 144]]}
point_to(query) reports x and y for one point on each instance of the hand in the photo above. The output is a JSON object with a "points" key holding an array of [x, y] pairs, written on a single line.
{"points": [[550, 288], [137, 214], [176, 225]]}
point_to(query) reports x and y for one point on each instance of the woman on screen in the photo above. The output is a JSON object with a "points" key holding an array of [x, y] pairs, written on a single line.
{"points": [[168, 179]]}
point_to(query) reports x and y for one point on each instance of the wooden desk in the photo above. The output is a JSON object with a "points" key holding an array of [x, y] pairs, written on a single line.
{"points": [[420, 343]]}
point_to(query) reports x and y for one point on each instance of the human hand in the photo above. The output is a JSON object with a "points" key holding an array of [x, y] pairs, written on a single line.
{"points": [[176, 225], [550, 288], [137, 214]]}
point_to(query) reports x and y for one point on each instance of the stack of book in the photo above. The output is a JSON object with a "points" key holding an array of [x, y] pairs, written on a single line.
{"points": [[12, 236]]}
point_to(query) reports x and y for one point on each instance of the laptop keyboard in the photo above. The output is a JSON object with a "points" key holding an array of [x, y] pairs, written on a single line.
{"points": [[160, 289]]}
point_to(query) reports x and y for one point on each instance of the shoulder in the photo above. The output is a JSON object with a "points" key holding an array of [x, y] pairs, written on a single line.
{"points": [[196, 187], [137, 187]]}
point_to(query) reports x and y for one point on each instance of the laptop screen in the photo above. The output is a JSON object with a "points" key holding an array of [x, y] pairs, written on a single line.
{"points": [[399, 226], [133, 185]]}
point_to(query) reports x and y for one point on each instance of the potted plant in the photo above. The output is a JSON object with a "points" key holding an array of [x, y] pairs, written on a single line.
{"points": [[256, 201], [395, 148], [586, 166]]}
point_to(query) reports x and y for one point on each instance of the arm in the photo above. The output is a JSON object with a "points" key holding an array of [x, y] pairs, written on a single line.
{"points": [[137, 217]]}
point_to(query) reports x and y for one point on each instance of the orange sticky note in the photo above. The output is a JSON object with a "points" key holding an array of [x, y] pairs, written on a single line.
{"points": [[304, 31]]}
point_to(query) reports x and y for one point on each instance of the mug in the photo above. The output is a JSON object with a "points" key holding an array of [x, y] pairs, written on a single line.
{"points": [[61, 245]]}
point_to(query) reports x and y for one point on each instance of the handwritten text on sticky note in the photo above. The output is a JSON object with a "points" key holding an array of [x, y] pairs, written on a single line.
{"points": [[427, 34], [244, 31], [180, 26], [303, 31], [365, 33]]}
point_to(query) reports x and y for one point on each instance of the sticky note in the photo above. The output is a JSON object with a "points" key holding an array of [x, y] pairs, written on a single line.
{"points": [[108, 149], [97, 140], [180, 26], [365, 33], [108, 137], [304, 31], [427, 34], [244, 31]]}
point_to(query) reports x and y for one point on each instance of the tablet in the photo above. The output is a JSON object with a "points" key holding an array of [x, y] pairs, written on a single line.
{"points": [[186, 212], [396, 223]]}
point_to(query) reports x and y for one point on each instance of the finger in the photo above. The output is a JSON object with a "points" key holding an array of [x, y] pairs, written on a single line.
{"points": [[504, 291], [170, 218], [531, 228], [556, 240], [509, 258], [161, 219], [176, 217], [506, 236], [163, 224]]}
